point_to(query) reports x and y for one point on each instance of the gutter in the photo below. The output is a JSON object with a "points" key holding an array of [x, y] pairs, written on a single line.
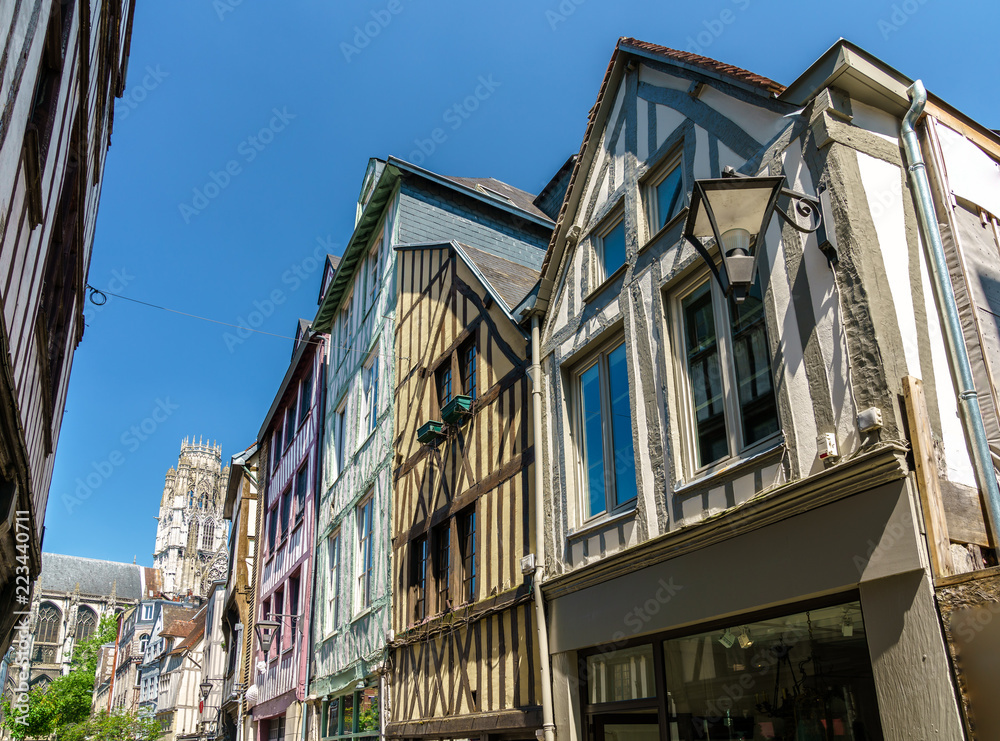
{"points": [[548, 729], [958, 355]]}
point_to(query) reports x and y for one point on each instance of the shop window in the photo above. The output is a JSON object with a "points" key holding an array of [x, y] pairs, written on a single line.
{"points": [[626, 674], [728, 390]]}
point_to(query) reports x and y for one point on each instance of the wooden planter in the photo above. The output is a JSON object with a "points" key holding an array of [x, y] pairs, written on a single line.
{"points": [[431, 432], [456, 410]]}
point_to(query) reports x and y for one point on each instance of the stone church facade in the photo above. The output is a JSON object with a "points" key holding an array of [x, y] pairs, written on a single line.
{"points": [[191, 537]]}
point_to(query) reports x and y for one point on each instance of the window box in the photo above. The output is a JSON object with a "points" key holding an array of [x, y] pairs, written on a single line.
{"points": [[431, 432], [457, 409]]}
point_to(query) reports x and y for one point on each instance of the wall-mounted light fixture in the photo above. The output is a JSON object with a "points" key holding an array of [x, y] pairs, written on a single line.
{"points": [[728, 638]]}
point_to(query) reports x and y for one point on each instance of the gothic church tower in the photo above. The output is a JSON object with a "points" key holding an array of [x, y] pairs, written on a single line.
{"points": [[192, 536]]}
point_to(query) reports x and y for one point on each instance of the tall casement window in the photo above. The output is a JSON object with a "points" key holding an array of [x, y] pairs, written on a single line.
{"points": [[374, 269], [606, 456], [418, 576], [306, 402], [345, 324], [333, 582], [609, 244], [290, 422], [301, 485], [278, 607], [727, 372], [470, 566], [363, 597], [370, 380], [443, 377], [442, 566], [664, 194], [272, 530], [293, 606], [286, 510], [49, 621], [339, 431], [468, 362], [207, 535]]}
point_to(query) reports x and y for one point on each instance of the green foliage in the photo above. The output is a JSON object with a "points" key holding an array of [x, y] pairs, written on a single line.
{"points": [[67, 699], [116, 726], [368, 715]]}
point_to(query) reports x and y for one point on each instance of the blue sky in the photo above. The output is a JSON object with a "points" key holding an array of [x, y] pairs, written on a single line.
{"points": [[238, 153]]}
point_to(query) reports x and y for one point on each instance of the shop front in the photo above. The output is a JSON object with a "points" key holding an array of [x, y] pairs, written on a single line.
{"points": [[771, 625]]}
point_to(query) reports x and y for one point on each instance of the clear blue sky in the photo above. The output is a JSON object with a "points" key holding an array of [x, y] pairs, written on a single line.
{"points": [[205, 77]]}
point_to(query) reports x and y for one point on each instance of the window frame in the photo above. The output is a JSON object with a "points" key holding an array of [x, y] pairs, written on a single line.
{"points": [[373, 266], [469, 377], [468, 552], [610, 222], [305, 396], [733, 418], [444, 378], [651, 181], [365, 558], [598, 356], [370, 392], [301, 492], [333, 582], [441, 567], [419, 553], [339, 438]]}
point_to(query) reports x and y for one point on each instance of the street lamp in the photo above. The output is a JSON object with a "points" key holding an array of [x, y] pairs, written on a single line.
{"points": [[735, 210], [206, 689], [265, 633]]}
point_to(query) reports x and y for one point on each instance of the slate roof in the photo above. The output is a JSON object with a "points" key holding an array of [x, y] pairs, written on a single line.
{"points": [[62, 573], [512, 281], [707, 63], [520, 198]]}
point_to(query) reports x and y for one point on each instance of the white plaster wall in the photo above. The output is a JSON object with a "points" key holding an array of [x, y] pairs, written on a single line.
{"points": [[875, 120], [667, 121], [662, 79], [758, 122]]}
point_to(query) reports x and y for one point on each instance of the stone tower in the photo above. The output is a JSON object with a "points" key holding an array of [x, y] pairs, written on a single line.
{"points": [[192, 536]]}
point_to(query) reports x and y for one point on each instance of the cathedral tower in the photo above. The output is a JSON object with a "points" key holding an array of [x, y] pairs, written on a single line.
{"points": [[192, 535]]}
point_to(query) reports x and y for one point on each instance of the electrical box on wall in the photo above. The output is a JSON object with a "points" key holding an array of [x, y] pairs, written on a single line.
{"points": [[528, 564], [870, 419], [827, 446]]}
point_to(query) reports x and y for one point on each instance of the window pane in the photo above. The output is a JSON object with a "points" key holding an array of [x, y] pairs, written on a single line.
{"points": [[704, 375], [593, 439], [751, 357], [625, 674], [613, 245], [621, 416], [668, 197], [804, 676]]}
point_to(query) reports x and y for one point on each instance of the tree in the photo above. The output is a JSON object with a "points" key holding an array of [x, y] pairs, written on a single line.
{"points": [[116, 726], [67, 699]]}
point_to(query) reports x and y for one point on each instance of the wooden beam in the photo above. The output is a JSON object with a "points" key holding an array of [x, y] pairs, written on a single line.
{"points": [[932, 505]]}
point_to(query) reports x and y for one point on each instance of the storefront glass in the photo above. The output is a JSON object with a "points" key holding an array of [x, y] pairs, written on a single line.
{"points": [[800, 677]]}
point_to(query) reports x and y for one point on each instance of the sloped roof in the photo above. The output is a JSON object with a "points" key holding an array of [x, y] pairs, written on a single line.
{"points": [[706, 63], [62, 573], [177, 620], [194, 633], [511, 281], [520, 198]]}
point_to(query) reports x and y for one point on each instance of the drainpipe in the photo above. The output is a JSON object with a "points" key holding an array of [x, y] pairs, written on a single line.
{"points": [[968, 400], [548, 731]]}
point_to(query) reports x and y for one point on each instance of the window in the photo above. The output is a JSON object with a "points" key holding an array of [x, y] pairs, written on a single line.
{"points": [[272, 531], [293, 606], [370, 416], [418, 576], [333, 583], [306, 402], [277, 608], [373, 270], [143, 642], [467, 528], [364, 593], [346, 322], [468, 360], [606, 457], [207, 535], [730, 395], [301, 484], [339, 431], [442, 566], [286, 510], [86, 623], [191, 499], [147, 612], [49, 620], [444, 383], [664, 192], [276, 729], [610, 246], [275, 447], [290, 422]]}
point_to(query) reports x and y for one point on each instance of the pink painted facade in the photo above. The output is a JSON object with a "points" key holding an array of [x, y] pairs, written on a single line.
{"points": [[289, 445]]}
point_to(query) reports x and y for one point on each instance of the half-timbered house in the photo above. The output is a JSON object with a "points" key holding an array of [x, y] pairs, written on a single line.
{"points": [[399, 204], [63, 64], [738, 545], [289, 459]]}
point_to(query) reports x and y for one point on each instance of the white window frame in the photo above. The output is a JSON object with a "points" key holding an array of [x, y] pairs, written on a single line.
{"points": [[373, 269], [608, 224], [370, 394], [339, 438], [651, 182], [363, 586], [737, 447], [347, 322], [333, 582]]}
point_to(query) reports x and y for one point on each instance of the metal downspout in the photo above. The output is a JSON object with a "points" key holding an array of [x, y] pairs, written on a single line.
{"points": [[548, 731], [968, 400]]}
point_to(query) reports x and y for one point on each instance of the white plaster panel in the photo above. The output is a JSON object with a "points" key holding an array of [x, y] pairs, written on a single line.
{"points": [[717, 499], [662, 79], [883, 189], [761, 124], [876, 121], [702, 162], [743, 488], [609, 125], [791, 376], [667, 121], [620, 159], [958, 461], [642, 129], [691, 509], [728, 157], [972, 174], [645, 465]]}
